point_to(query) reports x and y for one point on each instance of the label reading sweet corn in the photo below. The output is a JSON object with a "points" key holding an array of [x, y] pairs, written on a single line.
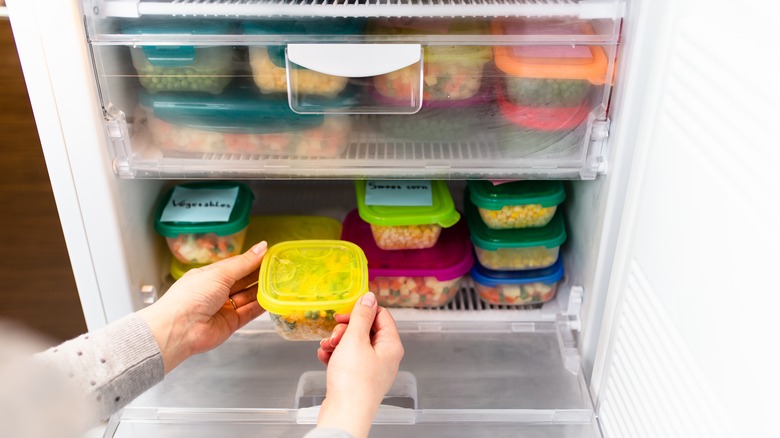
{"points": [[399, 193]]}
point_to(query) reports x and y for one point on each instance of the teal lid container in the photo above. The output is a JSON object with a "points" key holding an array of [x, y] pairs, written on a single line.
{"points": [[239, 216], [485, 194], [175, 56]]}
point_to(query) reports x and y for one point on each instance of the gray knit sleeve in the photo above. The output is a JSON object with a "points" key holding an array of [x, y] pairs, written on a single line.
{"points": [[328, 433]]}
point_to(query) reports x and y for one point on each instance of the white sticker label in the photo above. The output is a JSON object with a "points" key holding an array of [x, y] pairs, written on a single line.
{"points": [[399, 193], [200, 205]]}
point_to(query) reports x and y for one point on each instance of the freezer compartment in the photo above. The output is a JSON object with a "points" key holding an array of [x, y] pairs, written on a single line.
{"points": [[495, 373]]}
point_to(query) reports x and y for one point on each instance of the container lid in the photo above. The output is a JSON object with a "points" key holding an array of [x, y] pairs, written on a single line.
{"points": [[181, 26], [585, 62], [541, 118], [549, 236], [307, 275], [441, 211], [237, 221], [491, 278], [241, 109], [450, 258], [547, 193]]}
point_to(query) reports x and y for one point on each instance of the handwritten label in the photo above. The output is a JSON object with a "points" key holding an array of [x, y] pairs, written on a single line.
{"points": [[200, 205], [399, 193]]}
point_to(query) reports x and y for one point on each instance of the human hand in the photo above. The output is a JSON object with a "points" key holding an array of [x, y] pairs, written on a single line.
{"points": [[362, 356], [197, 313]]}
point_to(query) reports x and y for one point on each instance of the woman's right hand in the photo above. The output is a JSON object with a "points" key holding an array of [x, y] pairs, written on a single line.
{"points": [[362, 356]]}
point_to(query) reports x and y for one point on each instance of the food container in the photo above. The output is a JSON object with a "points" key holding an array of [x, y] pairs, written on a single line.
{"points": [[240, 121], [413, 277], [517, 288], [269, 63], [517, 248], [303, 283], [182, 68], [277, 229], [449, 72], [544, 75], [519, 204], [408, 227], [193, 236]]}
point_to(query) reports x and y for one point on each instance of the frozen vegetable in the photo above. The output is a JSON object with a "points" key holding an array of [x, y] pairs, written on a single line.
{"points": [[406, 236], [201, 248], [546, 92], [414, 291], [517, 258], [183, 79], [518, 204], [271, 78], [304, 326], [517, 294], [446, 80], [517, 287], [518, 216]]}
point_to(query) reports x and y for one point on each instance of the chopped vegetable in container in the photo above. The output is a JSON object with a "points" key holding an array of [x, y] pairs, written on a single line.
{"points": [[519, 204], [517, 288]]}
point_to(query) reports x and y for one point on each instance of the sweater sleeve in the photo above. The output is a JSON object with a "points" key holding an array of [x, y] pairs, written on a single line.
{"points": [[328, 433]]}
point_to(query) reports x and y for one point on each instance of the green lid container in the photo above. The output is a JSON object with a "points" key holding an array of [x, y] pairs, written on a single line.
{"points": [[441, 212], [239, 216], [484, 194], [549, 236], [174, 56]]}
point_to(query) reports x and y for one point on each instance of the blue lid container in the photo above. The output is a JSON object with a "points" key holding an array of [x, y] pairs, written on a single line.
{"points": [[517, 287]]}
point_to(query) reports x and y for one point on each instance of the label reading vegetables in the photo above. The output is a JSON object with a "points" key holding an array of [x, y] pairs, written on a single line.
{"points": [[200, 205], [399, 193]]}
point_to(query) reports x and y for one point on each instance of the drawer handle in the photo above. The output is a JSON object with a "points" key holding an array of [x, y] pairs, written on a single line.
{"points": [[354, 60]]}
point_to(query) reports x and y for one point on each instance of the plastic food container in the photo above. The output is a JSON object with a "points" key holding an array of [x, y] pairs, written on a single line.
{"points": [[449, 72], [515, 249], [408, 227], [519, 204], [182, 68], [193, 241], [517, 288], [240, 121], [413, 277], [269, 64], [304, 283], [549, 76], [277, 229]]}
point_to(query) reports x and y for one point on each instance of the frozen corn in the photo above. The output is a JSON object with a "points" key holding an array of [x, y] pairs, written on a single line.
{"points": [[271, 78], [517, 216], [406, 236], [517, 258]]}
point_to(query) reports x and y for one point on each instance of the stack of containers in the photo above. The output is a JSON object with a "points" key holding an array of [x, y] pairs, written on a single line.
{"points": [[517, 230], [417, 255], [544, 94]]}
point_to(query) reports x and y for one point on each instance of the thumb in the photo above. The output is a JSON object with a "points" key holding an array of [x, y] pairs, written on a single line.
{"points": [[362, 317], [238, 267]]}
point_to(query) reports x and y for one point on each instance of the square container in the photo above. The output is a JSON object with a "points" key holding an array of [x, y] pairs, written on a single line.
{"points": [[413, 277], [545, 75], [207, 242], [240, 121], [182, 68], [303, 283], [517, 288], [449, 72], [519, 204], [518, 248], [276, 229], [408, 227]]}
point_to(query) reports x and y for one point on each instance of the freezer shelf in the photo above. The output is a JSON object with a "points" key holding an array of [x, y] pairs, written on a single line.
{"points": [[483, 375]]}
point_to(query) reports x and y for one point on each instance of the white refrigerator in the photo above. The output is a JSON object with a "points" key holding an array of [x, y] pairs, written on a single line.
{"points": [[664, 323]]}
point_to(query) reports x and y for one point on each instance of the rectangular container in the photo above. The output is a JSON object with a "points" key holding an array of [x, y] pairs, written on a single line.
{"points": [[414, 277], [276, 229], [517, 288], [515, 249], [408, 227], [240, 121], [518, 204], [182, 68], [197, 242], [545, 75], [303, 283]]}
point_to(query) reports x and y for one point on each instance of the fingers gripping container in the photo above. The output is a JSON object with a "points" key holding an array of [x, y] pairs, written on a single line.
{"points": [[196, 242], [515, 249], [413, 277], [519, 204], [517, 288], [182, 68], [240, 121], [304, 283], [408, 227]]}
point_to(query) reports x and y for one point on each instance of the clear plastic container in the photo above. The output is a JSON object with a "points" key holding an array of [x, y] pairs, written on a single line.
{"points": [[397, 227], [276, 229], [517, 288], [304, 283], [182, 68], [519, 204], [240, 121], [545, 75], [193, 241], [449, 72], [414, 277], [518, 248]]}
